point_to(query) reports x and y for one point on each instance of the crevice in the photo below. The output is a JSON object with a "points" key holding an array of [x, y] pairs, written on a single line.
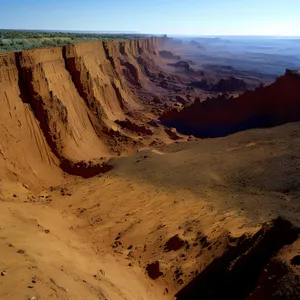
{"points": [[70, 66], [122, 48], [114, 86], [236, 273], [29, 96], [131, 73], [24, 91], [118, 94], [92, 103], [108, 57]]}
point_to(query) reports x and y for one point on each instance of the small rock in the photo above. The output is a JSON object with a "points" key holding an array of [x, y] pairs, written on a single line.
{"points": [[3, 273], [25, 186], [130, 247], [180, 281], [30, 286], [204, 242], [116, 244], [153, 270], [130, 254], [174, 243], [47, 231]]}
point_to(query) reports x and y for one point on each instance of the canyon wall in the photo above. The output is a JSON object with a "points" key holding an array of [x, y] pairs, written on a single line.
{"points": [[268, 106], [23, 147], [58, 105]]}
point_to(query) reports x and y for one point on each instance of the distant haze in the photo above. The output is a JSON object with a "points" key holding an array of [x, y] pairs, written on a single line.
{"points": [[194, 17]]}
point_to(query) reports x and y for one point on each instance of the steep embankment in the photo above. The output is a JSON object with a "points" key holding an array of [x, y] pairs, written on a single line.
{"points": [[23, 147], [273, 105], [59, 104]]}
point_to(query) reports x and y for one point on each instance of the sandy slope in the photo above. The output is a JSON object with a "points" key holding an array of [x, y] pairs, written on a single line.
{"points": [[50, 261], [206, 188], [210, 186]]}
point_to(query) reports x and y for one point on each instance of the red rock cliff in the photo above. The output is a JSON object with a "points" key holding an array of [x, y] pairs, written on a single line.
{"points": [[275, 104], [60, 102]]}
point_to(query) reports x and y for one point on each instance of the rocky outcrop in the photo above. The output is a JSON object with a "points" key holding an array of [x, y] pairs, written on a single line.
{"points": [[168, 55], [292, 72], [129, 125], [247, 269], [183, 65], [272, 105], [224, 85], [231, 84]]}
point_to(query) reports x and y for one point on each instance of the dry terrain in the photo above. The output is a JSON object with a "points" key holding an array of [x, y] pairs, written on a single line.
{"points": [[99, 200]]}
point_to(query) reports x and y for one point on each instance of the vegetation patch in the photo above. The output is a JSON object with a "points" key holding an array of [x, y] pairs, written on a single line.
{"points": [[18, 40]]}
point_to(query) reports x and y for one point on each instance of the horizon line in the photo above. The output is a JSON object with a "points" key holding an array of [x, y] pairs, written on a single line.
{"points": [[137, 32]]}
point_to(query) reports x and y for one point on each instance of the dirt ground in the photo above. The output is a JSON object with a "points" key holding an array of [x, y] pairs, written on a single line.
{"points": [[94, 238], [172, 216]]}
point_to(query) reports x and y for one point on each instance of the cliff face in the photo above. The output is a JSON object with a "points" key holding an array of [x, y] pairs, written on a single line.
{"points": [[58, 103], [23, 147], [269, 106]]}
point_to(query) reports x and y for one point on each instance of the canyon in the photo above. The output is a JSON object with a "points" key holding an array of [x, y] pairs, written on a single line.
{"points": [[122, 180]]}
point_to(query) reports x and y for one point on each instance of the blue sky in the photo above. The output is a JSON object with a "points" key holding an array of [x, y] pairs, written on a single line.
{"points": [[195, 17]]}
